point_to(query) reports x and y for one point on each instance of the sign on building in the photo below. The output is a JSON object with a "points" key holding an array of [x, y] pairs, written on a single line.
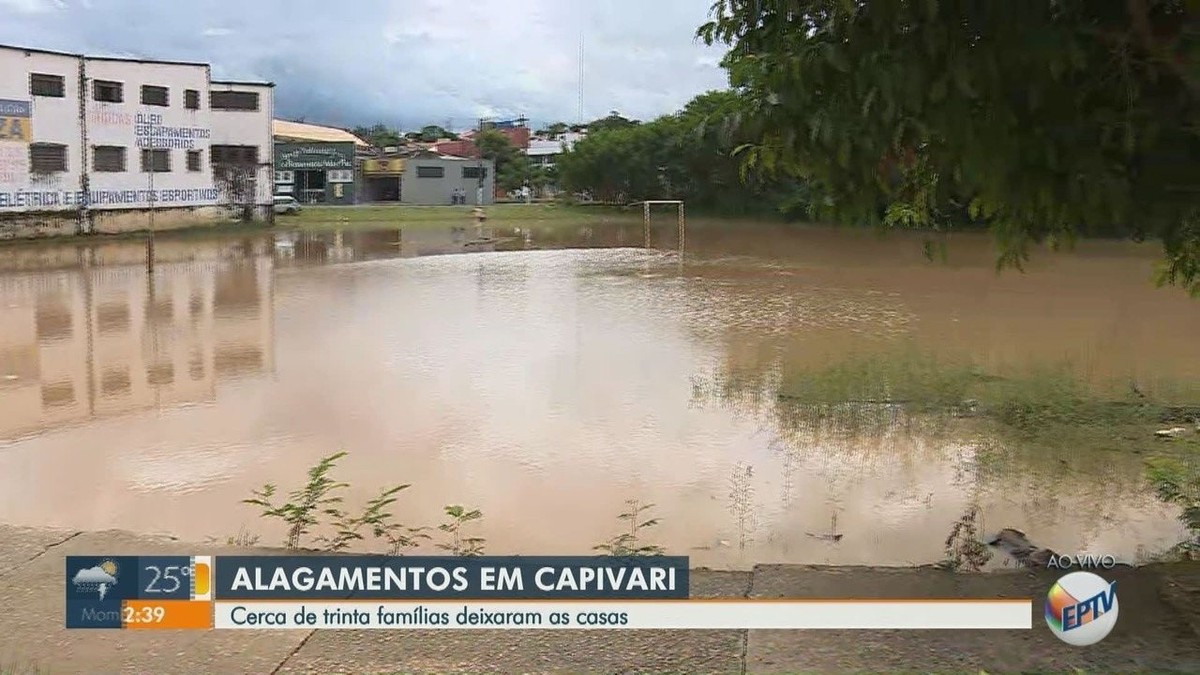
{"points": [[15, 120]]}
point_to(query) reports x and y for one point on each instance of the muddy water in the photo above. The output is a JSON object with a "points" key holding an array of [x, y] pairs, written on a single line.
{"points": [[547, 376]]}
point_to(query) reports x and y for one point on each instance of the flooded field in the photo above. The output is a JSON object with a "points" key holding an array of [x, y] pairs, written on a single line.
{"points": [[778, 394]]}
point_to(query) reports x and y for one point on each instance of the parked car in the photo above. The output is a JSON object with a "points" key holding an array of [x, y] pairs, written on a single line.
{"points": [[285, 204]]}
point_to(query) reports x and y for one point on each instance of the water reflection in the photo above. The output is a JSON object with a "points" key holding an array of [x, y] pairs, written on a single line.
{"points": [[547, 386], [98, 334]]}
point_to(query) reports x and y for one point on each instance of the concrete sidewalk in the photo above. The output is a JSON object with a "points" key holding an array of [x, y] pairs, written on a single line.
{"points": [[1158, 629]]}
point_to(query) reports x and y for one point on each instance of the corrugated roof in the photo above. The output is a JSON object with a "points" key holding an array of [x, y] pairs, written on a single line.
{"points": [[313, 132]]}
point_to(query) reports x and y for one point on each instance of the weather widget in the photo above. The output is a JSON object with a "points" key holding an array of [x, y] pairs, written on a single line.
{"points": [[138, 592]]}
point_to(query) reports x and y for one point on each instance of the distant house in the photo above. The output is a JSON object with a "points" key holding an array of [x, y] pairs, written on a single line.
{"points": [[316, 164], [425, 177], [545, 151], [515, 130]]}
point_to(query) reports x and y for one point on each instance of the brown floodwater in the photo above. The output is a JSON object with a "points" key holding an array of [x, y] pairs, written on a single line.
{"points": [[550, 374]]}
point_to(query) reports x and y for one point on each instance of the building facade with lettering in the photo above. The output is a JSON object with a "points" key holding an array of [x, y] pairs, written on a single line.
{"points": [[316, 172], [105, 145], [317, 164]]}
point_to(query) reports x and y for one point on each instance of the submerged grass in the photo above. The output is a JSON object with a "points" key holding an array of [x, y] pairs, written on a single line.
{"points": [[1034, 406], [1051, 418], [327, 218]]}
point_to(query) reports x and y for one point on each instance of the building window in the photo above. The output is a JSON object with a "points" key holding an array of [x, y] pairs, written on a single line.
{"points": [[154, 95], [109, 92], [233, 100], [46, 85], [156, 160], [47, 158], [286, 177], [191, 99], [474, 172], [431, 172], [339, 176], [193, 160], [108, 158], [234, 154]]}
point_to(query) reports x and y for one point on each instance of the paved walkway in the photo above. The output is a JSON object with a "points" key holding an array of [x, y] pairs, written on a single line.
{"points": [[1158, 629]]}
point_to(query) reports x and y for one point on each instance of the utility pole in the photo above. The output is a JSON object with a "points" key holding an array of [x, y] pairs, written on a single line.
{"points": [[479, 151]]}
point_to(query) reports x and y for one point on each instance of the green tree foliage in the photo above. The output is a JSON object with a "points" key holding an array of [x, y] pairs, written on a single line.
{"points": [[1041, 120], [512, 166], [433, 132], [613, 121], [689, 155], [379, 135], [554, 130]]}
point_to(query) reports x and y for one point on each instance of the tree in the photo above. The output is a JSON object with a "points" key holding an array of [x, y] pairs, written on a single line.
{"points": [[379, 135], [512, 166], [1040, 120], [688, 155], [433, 132], [614, 120], [554, 130]]}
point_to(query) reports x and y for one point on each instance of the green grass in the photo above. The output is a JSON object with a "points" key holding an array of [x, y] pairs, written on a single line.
{"points": [[329, 218]]}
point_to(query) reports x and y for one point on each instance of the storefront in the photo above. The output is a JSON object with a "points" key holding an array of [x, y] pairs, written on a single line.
{"points": [[316, 173], [381, 179]]}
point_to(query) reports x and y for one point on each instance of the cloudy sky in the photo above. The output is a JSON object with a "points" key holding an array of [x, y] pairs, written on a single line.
{"points": [[406, 62]]}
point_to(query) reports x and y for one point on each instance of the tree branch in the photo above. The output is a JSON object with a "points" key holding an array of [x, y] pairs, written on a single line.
{"points": [[1139, 16]]}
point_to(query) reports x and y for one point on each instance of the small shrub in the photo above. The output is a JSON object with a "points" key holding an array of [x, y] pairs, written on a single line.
{"points": [[458, 544], [964, 548], [630, 543], [317, 497], [320, 498], [741, 502]]}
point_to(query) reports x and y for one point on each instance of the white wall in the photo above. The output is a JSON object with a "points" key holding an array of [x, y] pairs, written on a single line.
{"points": [[245, 127], [135, 126], [128, 124], [50, 120]]}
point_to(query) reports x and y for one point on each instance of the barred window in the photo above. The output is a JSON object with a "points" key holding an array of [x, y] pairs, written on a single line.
{"points": [[233, 100], [110, 92], [430, 172], [108, 158], [474, 172], [193, 160], [156, 160], [234, 154], [191, 99], [154, 95], [47, 158], [47, 85]]}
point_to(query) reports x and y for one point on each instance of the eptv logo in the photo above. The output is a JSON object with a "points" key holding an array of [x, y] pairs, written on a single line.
{"points": [[1081, 608]]}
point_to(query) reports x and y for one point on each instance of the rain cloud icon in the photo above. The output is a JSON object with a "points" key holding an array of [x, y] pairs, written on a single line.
{"points": [[98, 578]]}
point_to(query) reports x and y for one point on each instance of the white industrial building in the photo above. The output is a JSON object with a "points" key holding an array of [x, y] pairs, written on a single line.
{"points": [[104, 145], [545, 151]]}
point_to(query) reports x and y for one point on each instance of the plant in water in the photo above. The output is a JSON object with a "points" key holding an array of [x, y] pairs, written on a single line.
{"points": [[243, 539], [1178, 482], [964, 549], [459, 544], [741, 502], [317, 497], [630, 543], [376, 519]]}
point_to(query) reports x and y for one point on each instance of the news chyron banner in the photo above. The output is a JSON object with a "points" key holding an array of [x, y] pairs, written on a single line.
{"points": [[527, 592]]}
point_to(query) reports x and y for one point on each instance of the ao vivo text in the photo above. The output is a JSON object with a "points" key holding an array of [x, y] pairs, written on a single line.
{"points": [[1081, 561]]}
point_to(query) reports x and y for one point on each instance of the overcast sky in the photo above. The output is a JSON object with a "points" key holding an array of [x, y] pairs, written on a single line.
{"points": [[406, 62]]}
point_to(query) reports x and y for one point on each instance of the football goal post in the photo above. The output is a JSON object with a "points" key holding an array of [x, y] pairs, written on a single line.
{"points": [[646, 205]]}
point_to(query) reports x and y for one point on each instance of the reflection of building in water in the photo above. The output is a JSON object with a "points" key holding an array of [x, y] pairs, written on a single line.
{"points": [[96, 340]]}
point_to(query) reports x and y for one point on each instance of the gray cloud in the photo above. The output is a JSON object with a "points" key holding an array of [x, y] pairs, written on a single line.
{"points": [[406, 63]]}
